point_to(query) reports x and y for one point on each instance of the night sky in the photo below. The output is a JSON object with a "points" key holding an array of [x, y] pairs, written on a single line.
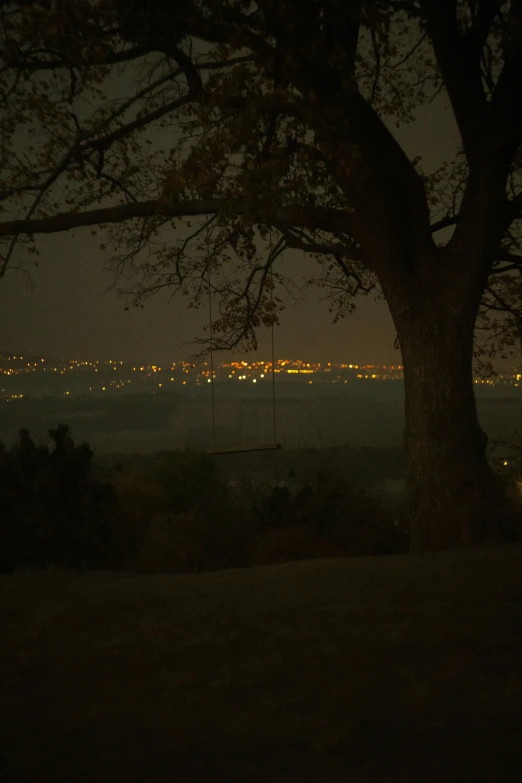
{"points": [[72, 314]]}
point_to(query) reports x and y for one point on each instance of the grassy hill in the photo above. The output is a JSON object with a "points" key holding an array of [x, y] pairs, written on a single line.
{"points": [[404, 668]]}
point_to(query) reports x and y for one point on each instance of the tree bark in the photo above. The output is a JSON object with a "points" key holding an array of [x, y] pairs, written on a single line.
{"points": [[455, 499]]}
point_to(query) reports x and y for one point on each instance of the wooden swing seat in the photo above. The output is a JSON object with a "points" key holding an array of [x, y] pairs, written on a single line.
{"points": [[245, 449]]}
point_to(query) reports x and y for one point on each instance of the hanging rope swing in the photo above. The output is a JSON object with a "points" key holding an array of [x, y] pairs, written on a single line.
{"points": [[274, 446]]}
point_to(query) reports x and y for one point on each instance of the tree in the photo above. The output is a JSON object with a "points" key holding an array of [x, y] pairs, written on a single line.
{"points": [[243, 123]]}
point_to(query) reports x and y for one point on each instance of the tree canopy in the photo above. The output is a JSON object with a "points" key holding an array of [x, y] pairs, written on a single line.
{"points": [[235, 122]]}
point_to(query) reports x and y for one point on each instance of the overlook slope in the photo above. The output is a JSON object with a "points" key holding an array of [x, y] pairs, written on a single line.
{"points": [[404, 668]]}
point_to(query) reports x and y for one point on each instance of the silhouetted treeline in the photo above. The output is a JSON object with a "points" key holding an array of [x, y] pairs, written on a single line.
{"points": [[51, 512], [174, 512]]}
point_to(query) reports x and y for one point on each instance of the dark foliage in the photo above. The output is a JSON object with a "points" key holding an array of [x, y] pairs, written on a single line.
{"points": [[329, 511], [188, 518], [52, 514], [174, 512]]}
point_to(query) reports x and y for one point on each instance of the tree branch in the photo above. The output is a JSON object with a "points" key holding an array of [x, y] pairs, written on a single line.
{"points": [[503, 306], [113, 58], [309, 246], [477, 34], [503, 130], [514, 209], [313, 218], [213, 31], [459, 65], [509, 268], [124, 130], [505, 255], [445, 222]]}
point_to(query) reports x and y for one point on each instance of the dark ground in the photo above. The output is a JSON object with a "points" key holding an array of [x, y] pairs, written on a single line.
{"points": [[403, 668]]}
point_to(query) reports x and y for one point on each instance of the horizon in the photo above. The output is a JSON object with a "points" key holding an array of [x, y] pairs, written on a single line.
{"points": [[238, 358], [251, 358]]}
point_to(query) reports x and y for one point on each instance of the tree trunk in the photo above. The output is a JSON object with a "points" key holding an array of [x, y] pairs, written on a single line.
{"points": [[454, 496]]}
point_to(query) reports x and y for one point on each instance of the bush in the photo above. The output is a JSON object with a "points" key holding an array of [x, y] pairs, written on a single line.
{"points": [[329, 510], [374, 531], [138, 500], [186, 515], [187, 481], [174, 542]]}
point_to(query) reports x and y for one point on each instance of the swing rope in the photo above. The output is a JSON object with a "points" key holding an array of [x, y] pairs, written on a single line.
{"points": [[274, 439], [211, 361], [274, 445]]}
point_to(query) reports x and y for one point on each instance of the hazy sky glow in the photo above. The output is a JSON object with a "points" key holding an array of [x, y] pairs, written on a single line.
{"points": [[71, 314]]}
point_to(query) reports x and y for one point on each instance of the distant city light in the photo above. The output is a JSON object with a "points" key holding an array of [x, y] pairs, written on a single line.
{"points": [[16, 368]]}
